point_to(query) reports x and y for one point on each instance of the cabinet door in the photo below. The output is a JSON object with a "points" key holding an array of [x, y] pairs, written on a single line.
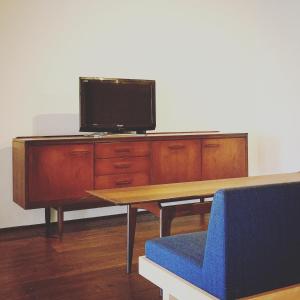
{"points": [[224, 158], [60, 171], [176, 161]]}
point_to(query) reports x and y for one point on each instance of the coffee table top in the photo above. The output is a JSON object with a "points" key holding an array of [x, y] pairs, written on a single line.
{"points": [[186, 190]]}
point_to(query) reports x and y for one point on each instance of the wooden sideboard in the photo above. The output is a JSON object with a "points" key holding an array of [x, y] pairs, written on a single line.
{"points": [[56, 171]]}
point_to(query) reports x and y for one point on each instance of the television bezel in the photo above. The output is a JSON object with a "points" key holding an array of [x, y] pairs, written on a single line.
{"points": [[84, 127]]}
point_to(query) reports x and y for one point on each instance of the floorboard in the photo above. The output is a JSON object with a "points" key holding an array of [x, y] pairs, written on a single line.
{"points": [[88, 264]]}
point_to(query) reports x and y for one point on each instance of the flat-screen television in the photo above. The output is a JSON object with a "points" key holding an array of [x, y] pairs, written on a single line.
{"points": [[116, 105]]}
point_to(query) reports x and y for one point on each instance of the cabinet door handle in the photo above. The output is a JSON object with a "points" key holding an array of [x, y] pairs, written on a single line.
{"points": [[123, 182], [122, 150], [176, 146], [211, 145], [122, 165], [79, 153]]}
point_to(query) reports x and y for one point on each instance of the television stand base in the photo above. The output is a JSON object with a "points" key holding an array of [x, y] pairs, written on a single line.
{"points": [[117, 134], [141, 132]]}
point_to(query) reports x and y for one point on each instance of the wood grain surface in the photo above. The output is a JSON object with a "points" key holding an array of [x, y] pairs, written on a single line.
{"points": [[186, 190], [89, 264]]}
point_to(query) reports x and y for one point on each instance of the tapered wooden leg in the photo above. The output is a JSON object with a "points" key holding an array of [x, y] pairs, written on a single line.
{"points": [[131, 224], [167, 215], [47, 220], [60, 222], [202, 216]]}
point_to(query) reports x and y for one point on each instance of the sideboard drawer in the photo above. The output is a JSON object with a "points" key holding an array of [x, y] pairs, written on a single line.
{"points": [[122, 165], [122, 149], [121, 180]]}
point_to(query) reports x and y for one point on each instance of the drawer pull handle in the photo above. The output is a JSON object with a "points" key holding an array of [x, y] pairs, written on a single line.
{"points": [[79, 153], [122, 165], [123, 182], [212, 145], [122, 150], [176, 147]]}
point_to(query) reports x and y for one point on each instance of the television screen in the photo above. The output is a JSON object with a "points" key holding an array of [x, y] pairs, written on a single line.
{"points": [[116, 105]]}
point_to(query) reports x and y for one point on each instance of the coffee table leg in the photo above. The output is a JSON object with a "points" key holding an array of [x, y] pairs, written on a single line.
{"points": [[60, 221], [202, 216], [131, 224], [167, 215], [48, 220]]}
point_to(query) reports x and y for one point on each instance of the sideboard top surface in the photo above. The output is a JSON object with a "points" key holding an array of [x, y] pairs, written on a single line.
{"points": [[126, 137]]}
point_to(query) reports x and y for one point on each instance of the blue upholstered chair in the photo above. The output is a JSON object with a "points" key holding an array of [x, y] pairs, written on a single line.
{"points": [[252, 244]]}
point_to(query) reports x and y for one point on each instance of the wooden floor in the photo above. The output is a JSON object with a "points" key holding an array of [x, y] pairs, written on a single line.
{"points": [[88, 264]]}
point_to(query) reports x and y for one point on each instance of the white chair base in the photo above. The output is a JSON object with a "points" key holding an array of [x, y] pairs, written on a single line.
{"points": [[176, 288]]}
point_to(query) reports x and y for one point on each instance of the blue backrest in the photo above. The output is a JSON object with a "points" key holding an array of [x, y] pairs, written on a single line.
{"points": [[253, 240]]}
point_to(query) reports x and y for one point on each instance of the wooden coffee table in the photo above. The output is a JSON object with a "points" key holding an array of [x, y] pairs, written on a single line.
{"points": [[151, 198]]}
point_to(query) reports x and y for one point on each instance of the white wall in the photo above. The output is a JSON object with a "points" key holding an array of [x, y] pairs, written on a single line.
{"points": [[231, 65]]}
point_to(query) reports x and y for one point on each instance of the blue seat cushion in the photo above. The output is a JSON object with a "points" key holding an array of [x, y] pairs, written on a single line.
{"points": [[181, 254]]}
